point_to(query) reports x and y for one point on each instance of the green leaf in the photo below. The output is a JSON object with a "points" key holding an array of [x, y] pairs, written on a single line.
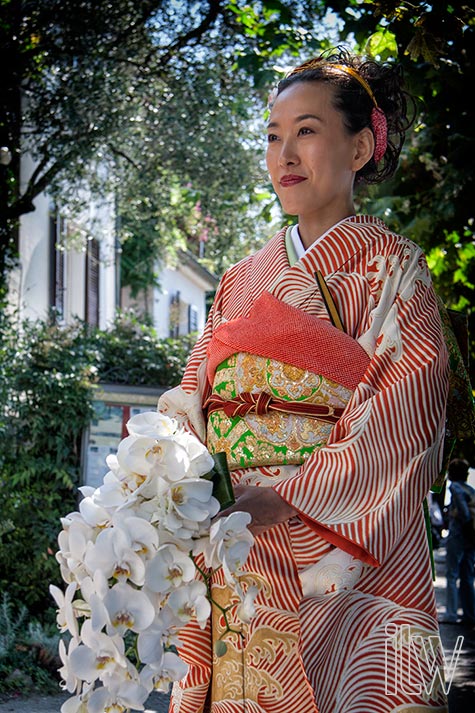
{"points": [[382, 45], [222, 486], [220, 648]]}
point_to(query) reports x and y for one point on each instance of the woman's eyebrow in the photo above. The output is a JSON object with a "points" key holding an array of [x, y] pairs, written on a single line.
{"points": [[304, 117], [298, 119]]}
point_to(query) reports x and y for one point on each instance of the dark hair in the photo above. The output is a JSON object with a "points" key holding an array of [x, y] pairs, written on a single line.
{"points": [[355, 104], [458, 469]]}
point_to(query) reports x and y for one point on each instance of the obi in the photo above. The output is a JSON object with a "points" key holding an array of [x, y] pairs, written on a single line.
{"points": [[280, 379]]}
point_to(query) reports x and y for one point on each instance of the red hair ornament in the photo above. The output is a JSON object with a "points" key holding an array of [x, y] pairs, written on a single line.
{"points": [[380, 131]]}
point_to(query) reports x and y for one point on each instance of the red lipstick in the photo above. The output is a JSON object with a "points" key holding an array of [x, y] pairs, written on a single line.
{"points": [[291, 180]]}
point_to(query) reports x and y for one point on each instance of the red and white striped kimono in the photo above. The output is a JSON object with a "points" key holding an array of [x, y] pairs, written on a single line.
{"points": [[346, 597]]}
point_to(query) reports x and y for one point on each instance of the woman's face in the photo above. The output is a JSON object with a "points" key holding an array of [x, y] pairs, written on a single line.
{"points": [[311, 158]]}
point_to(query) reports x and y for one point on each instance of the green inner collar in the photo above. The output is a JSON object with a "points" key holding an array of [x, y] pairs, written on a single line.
{"points": [[290, 247]]}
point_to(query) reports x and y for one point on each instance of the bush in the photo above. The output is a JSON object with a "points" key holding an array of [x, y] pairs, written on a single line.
{"points": [[47, 374], [130, 353], [28, 653]]}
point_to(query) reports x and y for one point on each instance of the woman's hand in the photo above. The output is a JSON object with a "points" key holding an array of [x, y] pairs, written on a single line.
{"points": [[265, 506]]}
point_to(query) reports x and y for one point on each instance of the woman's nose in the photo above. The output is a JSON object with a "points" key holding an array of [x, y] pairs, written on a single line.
{"points": [[288, 155]]}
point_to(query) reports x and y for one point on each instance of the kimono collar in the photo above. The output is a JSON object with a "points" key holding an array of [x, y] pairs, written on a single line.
{"points": [[338, 245], [329, 254]]}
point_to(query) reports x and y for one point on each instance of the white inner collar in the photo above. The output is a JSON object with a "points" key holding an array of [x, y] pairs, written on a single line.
{"points": [[300, 248]]}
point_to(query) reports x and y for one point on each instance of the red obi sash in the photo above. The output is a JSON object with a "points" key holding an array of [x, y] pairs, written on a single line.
{"points": [[279, 331]]}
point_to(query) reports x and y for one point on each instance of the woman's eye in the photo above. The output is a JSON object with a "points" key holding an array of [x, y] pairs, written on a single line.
{"points": [[271, 138], [305, 130]]}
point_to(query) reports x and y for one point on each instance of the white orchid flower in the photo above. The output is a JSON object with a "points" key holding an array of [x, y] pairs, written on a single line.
{"points": [[201, 461], [169, 459], [98, 655], [233, 526], [169, 569], [69, 681], [129, 481], [114, 491], [127, 608], [150, 646], [65, 617], [78, 704], [142, 535], [189, 499], [176, 527], [190, 601], [94, 585], [73, 541], [94, 590], [113, 554], [118, 698], [93, 514], [233, 556], [229, 544], [153, 457], [159, 676], [87, 491], [161, 635], [132, 455], [246, 610], [151, 423]]}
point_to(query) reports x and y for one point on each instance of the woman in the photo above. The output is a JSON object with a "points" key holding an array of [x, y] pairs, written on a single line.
{"points": [[322, 373]]}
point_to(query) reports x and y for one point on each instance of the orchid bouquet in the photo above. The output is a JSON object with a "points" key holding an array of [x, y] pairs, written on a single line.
{"points": [[130, 558]]}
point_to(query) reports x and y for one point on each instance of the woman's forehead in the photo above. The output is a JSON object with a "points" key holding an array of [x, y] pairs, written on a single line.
{"points": [[301, 99]]}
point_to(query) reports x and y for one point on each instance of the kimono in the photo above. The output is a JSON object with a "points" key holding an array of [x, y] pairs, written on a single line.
{"points": [[345, 609]]}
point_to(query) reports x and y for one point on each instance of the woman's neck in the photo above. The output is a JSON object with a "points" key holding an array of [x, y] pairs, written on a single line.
{"points": [[311, 230]]}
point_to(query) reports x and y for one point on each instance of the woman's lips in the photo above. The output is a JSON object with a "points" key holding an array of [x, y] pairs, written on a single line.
{"points": [[291, 180]]}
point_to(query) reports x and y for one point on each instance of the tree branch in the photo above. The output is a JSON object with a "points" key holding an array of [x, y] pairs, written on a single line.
{"points": [[214, 10], [24, 204]]}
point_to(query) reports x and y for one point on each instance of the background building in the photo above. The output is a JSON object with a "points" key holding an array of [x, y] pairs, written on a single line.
{"points": [[72, 265]]}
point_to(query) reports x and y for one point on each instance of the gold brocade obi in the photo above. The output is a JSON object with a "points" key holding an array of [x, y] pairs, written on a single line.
{"points": [[273, 435]]}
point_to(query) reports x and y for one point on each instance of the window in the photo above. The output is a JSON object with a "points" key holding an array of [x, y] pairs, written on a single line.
{"points": [[57, 287], [92, 283], [174, 318], [192, 319]]}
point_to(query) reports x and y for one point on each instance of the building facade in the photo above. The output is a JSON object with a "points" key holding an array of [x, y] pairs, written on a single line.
{"points": [[72, 266]]}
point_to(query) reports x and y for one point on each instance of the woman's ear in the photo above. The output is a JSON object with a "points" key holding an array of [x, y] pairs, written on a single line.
{"points": [[363, 148]]}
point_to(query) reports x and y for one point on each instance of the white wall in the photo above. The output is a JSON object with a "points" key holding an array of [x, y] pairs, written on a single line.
{"points": [[30, 282], [192, 292], [186, 277]]}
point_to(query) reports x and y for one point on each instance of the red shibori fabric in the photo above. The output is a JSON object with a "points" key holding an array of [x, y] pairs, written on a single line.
{"points": [[279, 331]]}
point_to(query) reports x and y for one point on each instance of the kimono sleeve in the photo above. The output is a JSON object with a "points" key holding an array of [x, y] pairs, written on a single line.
{"points": [[363, 488]]}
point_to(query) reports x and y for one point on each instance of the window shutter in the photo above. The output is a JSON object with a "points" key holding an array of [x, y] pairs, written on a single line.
{"points": [[57, 277], [192, 319], [92, 283], [174, 316]]}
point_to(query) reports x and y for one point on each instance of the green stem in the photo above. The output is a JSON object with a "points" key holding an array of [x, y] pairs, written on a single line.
{"points": [[224, 610]]}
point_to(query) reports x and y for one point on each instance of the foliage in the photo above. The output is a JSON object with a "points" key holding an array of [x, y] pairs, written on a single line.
{"points": [[130, 353], [28, 652], [45, 405], [97, 90], [164, 97], [47, 377]]}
